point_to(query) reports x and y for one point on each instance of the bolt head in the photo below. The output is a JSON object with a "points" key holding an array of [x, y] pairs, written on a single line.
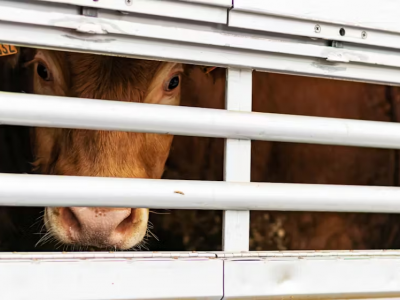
{"points": [[364, 34]]}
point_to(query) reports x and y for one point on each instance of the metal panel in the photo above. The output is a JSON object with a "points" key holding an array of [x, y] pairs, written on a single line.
{"points": [[353, 21], [120, 255], [133, 275], [378, 14], [236, 224], [47, 111], [311, 254], [331, 277], [108, 278], [51, 190], [174, 9], [155, 39], [224, 3]]}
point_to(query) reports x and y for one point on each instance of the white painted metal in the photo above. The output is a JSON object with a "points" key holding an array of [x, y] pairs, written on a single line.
{"points": [[311, 254], [271, 275], [138, 37], [300, 27], [46, 111], [45, 190], [109, 278], [224, 3], [373, 24], [120, 255], [237, 164], [378, 14], [331, 277], [174, 9], [199, 256]]}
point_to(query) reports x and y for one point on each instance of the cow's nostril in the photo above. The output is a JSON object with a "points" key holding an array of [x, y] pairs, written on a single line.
{"points": [[70, 219], [126, 223], [96, 226]]}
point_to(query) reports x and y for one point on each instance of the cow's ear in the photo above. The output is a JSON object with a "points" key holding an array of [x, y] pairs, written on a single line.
{"points": [[215, 73], [9, 61], [208, 70]]}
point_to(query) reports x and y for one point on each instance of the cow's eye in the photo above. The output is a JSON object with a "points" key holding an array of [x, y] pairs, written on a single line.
{"points": [[173, 83], [43, 72]]}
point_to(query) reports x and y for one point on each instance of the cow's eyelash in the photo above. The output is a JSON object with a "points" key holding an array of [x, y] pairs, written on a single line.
{"points": [[35, 60], [27, 64]]}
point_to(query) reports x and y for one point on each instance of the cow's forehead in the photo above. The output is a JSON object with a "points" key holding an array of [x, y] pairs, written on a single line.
{"points": [[109, 77]]}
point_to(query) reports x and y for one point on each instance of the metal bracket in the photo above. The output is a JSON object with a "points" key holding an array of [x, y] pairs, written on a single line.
{"points": [[337, 56], [89, 12], [337, 44]]}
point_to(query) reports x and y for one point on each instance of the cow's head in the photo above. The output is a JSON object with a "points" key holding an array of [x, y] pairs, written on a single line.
{"points": [[98, 153]]}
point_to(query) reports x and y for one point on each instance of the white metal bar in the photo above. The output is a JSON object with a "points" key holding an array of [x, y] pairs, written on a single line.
{"points": [[173, 9], [178, 32], [300, 27], [63, 112], [272, 275], [237, 163], [378, 14], [111, 279], [311, 254], [199, 256], [46, 190], [73, 256], [224, 3], [135, 37], [373, 24], [323, 278]]}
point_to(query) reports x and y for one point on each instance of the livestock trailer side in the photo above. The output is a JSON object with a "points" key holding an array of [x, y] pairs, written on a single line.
{"points": [[346, 40]]}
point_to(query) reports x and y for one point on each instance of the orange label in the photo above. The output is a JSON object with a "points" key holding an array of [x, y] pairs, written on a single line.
{"points": [[7, 50]]}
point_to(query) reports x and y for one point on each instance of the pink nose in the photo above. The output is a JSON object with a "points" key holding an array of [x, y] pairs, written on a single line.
{"points": [[94, 226]]}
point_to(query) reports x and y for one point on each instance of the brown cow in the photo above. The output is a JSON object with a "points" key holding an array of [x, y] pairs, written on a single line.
{"points": [[118, 154], [98, 153]]}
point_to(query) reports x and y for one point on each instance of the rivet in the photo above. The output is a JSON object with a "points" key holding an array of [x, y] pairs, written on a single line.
{"points": [[317, 28], [364, 34]]}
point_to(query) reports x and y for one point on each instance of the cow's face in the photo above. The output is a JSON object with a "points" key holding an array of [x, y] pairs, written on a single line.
{"points": [[99, 153]]}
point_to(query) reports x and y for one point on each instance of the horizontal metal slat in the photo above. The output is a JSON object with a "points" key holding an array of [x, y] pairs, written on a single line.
{"points": [[110, 279], [97, 255], [272, 275], [224, 3], [50, 190], [369, 278], [191, 43], [48, 111], [374, 24], [192, 10], [378, 14], [199, 256]]}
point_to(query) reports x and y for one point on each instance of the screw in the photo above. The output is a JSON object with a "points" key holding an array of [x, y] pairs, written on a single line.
{"points": [[364, 34], [317, 28], [128, 2]]}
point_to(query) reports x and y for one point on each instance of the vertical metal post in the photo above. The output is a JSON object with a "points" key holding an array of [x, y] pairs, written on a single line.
{"points": [[236, 225]]}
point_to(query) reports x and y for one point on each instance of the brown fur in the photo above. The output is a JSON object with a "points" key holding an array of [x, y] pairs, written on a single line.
{"points": [[91, 152], [102, 153]]}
